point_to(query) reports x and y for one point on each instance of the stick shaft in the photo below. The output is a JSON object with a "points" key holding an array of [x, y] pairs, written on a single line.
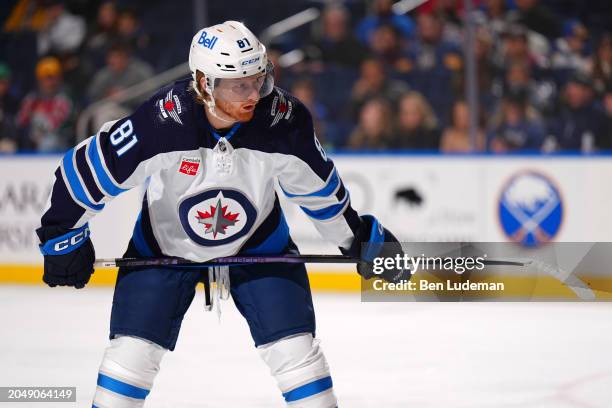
{"points": [[247, 260]]}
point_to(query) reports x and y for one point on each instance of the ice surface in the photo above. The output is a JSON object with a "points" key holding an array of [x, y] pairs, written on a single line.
{"points": [[452, 355]]}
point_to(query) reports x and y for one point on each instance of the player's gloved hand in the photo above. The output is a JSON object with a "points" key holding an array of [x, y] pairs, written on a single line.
{"points": [[69, 256], [372, 240]]}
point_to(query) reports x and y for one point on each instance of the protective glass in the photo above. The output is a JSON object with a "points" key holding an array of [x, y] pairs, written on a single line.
{"points": [[243, 89]]}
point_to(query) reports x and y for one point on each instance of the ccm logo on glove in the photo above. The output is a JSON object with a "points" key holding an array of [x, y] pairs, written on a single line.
{"points": [[67, 242]]}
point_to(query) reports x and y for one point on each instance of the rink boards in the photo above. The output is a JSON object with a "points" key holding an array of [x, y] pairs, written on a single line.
{"points": [[419, 197]]}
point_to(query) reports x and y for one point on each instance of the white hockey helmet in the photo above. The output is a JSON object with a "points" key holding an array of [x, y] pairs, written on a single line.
{"points": [[230, 51]]}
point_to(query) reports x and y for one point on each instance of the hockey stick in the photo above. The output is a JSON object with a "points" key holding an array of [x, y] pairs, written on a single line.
{"points": [[579, 288], [248, 260]]}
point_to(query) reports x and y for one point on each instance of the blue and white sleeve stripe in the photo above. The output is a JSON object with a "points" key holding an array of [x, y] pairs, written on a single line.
{"points": [[87, 177], [101, 174], [332, 184], [325, 203], [84, 171], [75, 184], [328, 212]]}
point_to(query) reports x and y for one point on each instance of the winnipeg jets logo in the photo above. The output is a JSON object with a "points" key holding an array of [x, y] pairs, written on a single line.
{"points": [[170, 106], [217, 219]]}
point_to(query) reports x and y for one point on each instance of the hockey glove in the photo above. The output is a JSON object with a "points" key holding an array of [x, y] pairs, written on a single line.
{"points": [[69, 256], [372, 240]]}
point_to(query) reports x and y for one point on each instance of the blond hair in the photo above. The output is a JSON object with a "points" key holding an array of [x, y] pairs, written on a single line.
{"points": [[429, 117], [199, 94]]}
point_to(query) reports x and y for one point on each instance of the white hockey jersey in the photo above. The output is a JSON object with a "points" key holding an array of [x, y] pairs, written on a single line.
{"points": [[208, 195]]}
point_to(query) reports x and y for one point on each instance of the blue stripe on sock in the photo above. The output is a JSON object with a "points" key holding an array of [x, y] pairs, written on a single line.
{"points": [[122, 388], [309, 389]]}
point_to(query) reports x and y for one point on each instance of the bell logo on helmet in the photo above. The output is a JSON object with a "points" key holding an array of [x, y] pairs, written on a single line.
{"points": [[207, 42]]}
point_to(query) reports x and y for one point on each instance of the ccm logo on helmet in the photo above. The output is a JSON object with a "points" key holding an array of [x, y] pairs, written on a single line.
{"points": [[251, 61], [208, 42], [72, 241]]}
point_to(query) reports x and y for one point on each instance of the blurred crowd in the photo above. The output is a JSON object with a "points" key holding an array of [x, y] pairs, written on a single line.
{"points": [[58, 57], [372, 79]]}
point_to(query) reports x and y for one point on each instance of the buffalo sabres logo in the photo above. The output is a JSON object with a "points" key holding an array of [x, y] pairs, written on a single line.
{"points": [[530, 209], [217, 217]]}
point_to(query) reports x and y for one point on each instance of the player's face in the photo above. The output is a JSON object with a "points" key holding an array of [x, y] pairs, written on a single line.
{"points": [[237, 98]]}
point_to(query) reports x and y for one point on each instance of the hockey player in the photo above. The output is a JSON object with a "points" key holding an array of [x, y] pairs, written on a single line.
{"points": [[209, 149]]}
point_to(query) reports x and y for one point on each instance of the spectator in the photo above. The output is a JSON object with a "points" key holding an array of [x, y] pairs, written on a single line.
{"points": [[438, 64], [63, 32], [417, 126], [572, 51], [8, 108], [374, 83], [540, 94], [604, 142], [516, 127], [515, 48], [456, 138], [382, 13], [121, 71], [130, 32], [99, 39], [374, 130], [579, 123], [304, 90], [337, 44], [449, 11], [485, 68], [386, 45], [45, 116], [493, 17], [432, 29], [9, 103], [601, 67], [536, 17], [103, 33]]}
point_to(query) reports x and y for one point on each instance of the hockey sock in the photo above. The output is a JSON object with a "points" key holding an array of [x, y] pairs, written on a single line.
{"points": [[126, 374], [301, 371]]}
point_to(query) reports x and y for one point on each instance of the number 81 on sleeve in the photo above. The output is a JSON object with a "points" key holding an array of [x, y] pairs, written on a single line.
{"points": [[123, 136]]}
